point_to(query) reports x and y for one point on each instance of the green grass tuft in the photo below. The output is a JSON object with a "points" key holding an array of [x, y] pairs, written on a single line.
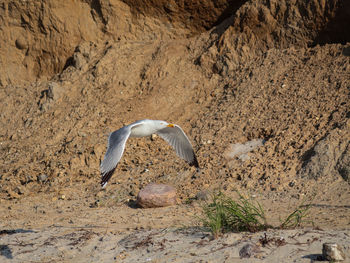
{"points": [[297, 217], [223, 214]]}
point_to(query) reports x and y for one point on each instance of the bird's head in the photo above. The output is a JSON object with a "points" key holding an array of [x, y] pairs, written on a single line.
{"points": [[163, 124]]}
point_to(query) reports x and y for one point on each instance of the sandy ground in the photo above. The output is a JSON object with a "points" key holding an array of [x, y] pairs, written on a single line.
{"points": [[88, 244], [60, 230]]}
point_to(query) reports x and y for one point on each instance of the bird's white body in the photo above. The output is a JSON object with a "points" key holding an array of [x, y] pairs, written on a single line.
{"points": [[171, 133], [146, 127]]}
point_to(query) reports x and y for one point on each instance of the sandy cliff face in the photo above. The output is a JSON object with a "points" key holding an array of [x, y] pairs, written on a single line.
{"points": [[226, 71], [39, 36]]}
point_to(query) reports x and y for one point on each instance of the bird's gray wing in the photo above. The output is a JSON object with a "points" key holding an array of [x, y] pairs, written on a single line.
{"points": [[176, 137], [115, 149]]}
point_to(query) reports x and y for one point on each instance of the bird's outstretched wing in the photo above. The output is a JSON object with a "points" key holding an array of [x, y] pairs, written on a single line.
{"points": [[176, 137], [115, 149]]}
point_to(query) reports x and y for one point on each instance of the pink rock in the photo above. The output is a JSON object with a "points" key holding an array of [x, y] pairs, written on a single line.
{"points": [[156, 195]]}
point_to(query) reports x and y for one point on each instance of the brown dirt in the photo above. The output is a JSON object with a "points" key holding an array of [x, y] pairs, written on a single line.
{"points": [[226, 71]]}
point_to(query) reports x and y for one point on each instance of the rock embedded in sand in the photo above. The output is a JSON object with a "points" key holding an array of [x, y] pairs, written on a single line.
{"points": [[241, 151], [203, 195], [333, 252], [21, 43], [248, 250], [42, 178], [156, 195]]}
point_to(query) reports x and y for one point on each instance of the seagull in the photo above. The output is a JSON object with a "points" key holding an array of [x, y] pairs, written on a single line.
{"points": [[171, 133]]}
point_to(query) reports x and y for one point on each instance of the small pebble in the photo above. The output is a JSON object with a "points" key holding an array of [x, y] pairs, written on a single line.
{"points": [[21, 43], [333, 252], [42, 178], [247, 251], [203, 195]]}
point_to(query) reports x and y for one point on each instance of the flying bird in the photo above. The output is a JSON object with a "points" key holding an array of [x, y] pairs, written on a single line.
{"points": [[171, 133]]}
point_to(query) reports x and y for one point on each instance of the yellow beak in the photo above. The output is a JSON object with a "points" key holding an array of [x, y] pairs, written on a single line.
{"points": [[170, 125]]}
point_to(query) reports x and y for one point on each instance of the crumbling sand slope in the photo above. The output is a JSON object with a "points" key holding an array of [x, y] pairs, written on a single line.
{"points": [[74, 72]]}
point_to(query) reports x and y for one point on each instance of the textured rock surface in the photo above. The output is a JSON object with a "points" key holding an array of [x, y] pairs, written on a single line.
{"points": [[328, 156], [333, 252], [156, 195]]}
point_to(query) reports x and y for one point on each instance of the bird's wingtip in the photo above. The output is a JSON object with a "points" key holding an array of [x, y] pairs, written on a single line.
{"points": [[106, 176], [194, 162]]}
